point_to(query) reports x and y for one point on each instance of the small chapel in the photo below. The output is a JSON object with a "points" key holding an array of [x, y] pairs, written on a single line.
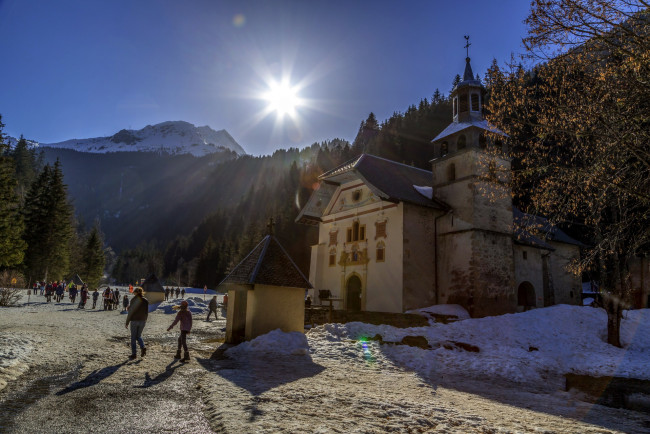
{"points": [[392, 237]]}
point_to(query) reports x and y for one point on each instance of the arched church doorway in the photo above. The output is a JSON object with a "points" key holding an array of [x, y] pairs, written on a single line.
{"points": [[526, 295], [353, 293]]}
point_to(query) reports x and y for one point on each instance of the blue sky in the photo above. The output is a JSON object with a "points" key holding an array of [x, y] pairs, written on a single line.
{"points": [[84, 68]]}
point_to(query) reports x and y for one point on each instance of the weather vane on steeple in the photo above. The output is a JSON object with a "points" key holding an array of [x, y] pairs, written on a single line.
{"points": [[467, 44]]}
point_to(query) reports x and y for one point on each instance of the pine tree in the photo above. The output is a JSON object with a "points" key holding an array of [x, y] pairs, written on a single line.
{"points": [[26, 166], [455, 82], [12, 246], [48, 226], [93, 259]]}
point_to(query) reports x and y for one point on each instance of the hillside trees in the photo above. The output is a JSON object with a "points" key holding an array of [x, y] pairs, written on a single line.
{"points": [[405, 137], [12, 246], [581, 122]]}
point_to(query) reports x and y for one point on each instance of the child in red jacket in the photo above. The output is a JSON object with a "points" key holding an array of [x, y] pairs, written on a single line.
{"points": [[185, 318]]}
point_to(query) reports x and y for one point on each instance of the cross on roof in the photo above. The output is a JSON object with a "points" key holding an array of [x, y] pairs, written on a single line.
{"points": [[467, 44]]}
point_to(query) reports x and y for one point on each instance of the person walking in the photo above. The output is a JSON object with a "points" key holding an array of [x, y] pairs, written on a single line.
{"points": [[108, 298], [137, 317], [178, 292], [167, 293], [72, 292], [212, 306], [125, 303], [116, 298], [183, 293], [184, 316], [84, 296], [95, 297], [59, 292], [48, 292]]}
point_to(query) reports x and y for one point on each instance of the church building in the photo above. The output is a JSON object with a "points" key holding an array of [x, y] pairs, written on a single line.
{"points": [[394, 237]]}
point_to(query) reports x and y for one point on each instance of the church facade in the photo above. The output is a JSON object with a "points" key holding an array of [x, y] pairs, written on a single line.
{"points": [[394, 238]]}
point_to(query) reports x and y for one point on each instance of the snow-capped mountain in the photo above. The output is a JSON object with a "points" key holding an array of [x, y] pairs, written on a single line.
{"points": [[173, 137], [11, 141]]}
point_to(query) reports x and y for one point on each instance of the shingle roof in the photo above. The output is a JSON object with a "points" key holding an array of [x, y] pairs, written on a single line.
{"points": [[267, 264], [394, 181], [455, 127]]}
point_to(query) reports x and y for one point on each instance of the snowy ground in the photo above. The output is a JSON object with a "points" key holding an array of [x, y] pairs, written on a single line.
{"points": [[66, 370]]}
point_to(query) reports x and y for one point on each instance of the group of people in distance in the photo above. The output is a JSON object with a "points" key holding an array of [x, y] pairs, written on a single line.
{"points": [[58, 289], [170, 292]]}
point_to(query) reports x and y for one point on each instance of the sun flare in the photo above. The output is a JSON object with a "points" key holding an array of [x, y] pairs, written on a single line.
{"points": [[282, 98]]}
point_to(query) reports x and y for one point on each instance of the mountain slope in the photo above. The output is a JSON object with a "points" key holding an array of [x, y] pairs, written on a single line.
{"points": [[172, 137]]}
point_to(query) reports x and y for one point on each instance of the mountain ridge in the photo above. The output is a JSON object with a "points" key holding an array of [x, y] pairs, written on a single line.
{"points": [[173, 137]]}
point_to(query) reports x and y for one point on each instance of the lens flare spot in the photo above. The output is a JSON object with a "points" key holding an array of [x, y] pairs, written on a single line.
{"points": [[239, 20]]}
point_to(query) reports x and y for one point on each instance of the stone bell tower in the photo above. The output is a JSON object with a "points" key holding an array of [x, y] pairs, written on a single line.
{"points": [[475, 240]]}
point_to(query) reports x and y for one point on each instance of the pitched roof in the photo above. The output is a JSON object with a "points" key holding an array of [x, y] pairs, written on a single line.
{"points": [[267, 264], [152, 284], [527, 223], [389, 179]]}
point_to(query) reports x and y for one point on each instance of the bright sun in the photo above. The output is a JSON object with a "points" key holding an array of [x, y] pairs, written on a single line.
{"points": [[282, 98]]}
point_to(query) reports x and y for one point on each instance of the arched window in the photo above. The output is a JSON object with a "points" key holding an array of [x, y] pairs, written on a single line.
{"points": [[451, 172], [332, 257], [482, 141], [463, 103], [444, 148], [455, 106], [462, 142], [381, 252], [475, 105]]}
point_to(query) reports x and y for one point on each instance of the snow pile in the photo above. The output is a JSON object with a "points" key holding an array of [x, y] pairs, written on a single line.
{"points": [[274, 342], [523, 347], [14, 355], [196, 305]]}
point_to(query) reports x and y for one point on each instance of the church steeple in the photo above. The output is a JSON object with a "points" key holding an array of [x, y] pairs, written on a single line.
{"points": [[468, 95], [468, 75], [469, 127]]}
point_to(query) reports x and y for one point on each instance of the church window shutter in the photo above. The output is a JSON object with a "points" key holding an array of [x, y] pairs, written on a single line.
{"points": [[333, 238], [380, 230]]}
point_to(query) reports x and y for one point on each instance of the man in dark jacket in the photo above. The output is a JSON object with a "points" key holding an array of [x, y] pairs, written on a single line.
{"points": [[213, 308], [137, 316]]}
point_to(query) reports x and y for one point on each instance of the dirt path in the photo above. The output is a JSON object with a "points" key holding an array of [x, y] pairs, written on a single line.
{"points": [[72, 374]]}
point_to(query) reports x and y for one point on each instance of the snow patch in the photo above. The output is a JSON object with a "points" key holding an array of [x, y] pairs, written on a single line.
{"points": [[424, 191]]}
